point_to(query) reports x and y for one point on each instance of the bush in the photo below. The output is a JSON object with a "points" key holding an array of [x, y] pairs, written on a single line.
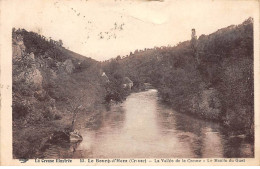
{"points": [[20, 110]]}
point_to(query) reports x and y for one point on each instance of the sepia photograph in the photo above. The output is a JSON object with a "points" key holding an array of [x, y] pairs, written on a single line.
{"points": [[130, 79]]}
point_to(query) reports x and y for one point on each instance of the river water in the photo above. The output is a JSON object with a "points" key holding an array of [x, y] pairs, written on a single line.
{"points": [[143, 127]]}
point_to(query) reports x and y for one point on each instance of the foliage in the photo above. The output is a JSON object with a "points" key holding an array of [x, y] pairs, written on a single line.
{"points": [[114, 89], [222, 61]]}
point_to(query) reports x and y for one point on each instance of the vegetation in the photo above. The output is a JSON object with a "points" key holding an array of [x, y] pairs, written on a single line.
{"points": [[114, 89], [212, 79], [47, 82]]}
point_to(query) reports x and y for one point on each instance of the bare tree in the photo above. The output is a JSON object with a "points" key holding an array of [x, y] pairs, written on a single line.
{"points": [[75, 107]]}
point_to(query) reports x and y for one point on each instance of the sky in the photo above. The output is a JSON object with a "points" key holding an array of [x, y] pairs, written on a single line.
{"points": [[102, 29]]}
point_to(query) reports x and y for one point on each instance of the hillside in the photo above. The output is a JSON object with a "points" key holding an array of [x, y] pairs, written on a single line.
{"points": [[49, 83], [210, 77]]}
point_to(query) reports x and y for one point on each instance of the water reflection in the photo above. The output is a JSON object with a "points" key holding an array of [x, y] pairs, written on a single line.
{"points": [[142, 127]]}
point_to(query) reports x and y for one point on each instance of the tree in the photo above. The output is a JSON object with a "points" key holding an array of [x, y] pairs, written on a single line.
{"points": [[60, 42], [75, 106], [118, 57]]}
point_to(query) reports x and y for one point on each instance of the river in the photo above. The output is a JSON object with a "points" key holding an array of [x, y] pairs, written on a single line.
{"points": [[143, 127]]}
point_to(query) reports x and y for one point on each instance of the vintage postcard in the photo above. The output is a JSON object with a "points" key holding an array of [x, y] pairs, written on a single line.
{"points": [[129, 82]]}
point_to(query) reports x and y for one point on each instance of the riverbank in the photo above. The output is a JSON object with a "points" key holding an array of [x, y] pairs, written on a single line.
{"points": [[29, 139], [50, 84], [157, 130], [210, 77]]}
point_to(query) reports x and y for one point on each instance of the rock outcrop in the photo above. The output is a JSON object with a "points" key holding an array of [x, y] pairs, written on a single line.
{"points": [[68, 66], [24, 65], [18, 47]]}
